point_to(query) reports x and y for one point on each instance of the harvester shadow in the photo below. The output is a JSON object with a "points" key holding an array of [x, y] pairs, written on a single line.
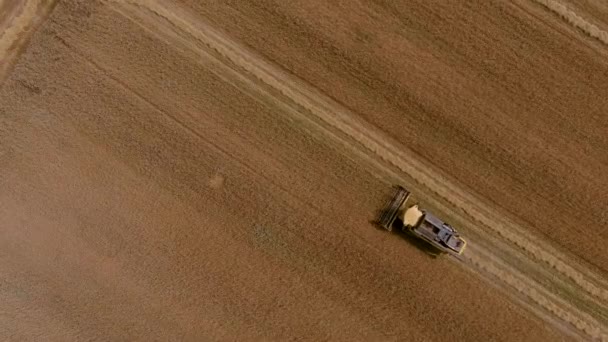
{"points": [[421, 245]]}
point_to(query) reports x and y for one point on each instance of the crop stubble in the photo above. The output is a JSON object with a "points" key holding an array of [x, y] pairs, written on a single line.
{"points": [[131, 117]]}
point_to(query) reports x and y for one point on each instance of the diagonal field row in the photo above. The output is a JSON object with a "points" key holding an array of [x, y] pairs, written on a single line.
{"points": [[574, 19]]}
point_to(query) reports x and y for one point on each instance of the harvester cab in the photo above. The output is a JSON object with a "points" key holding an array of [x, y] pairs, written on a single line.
{"points": [[421, 224]]}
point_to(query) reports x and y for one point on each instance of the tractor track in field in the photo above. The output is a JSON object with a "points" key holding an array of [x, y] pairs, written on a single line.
{"points": [[554, 286]]}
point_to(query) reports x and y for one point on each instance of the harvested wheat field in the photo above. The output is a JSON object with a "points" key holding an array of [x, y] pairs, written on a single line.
{"points": [[186, 170]]}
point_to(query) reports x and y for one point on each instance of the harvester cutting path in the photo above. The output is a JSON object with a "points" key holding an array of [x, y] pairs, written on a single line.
{"points": [[440, 236]]}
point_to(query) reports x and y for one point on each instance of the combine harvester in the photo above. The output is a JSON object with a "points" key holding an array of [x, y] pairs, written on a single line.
{"points": [[439, 235]]}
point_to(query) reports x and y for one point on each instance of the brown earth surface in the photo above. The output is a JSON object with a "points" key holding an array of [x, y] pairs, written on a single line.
{"points": [[179, 170]]}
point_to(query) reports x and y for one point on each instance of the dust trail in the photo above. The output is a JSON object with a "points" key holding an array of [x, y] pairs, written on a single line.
{"points": [[574, 19], [329, 117]]}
